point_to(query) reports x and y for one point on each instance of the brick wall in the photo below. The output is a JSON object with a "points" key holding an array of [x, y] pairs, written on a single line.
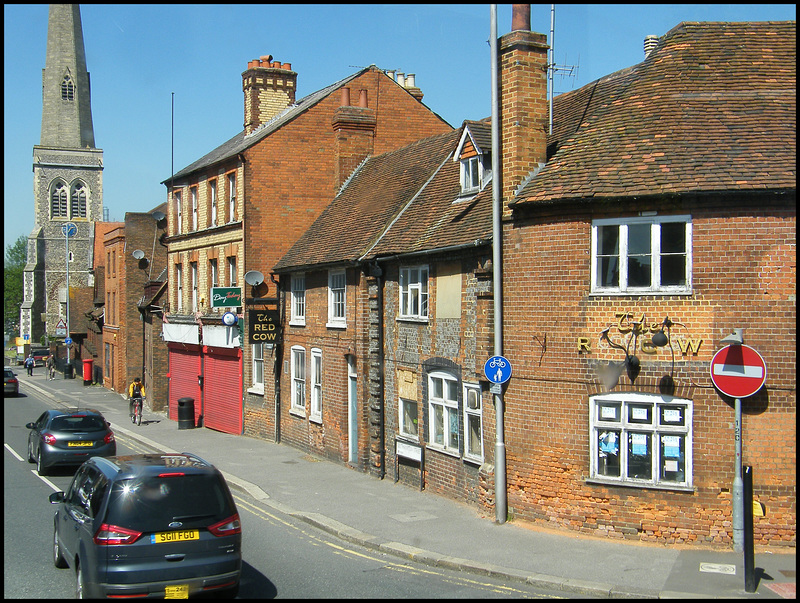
{"points": [[292, 173], [744, 275]]}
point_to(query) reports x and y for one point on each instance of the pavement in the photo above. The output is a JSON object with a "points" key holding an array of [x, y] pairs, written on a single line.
{"points": [[400, 520]]}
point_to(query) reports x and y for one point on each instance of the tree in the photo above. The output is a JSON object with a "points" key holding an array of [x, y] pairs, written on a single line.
{"points": [[14, 265]]}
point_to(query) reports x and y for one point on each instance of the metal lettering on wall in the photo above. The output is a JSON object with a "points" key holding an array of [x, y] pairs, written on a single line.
{"points": [[263, 326], [625, 324]]}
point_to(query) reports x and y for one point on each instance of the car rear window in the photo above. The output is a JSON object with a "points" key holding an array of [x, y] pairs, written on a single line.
{"points": [[77, 423], [152, 503]]}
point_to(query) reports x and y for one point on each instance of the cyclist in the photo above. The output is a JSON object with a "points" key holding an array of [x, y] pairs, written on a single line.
{"points": [[136, 394]]}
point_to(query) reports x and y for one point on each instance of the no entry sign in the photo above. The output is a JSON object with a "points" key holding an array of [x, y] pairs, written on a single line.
{"points": [[738, 371]]}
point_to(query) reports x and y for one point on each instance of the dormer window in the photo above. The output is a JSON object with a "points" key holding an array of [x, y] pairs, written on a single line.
{"points": [[472, 153], [471, 175]]}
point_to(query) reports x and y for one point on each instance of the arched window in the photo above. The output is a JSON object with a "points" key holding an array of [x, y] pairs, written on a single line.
{"points": [[58, 201], [67, 89], [78, 200]]}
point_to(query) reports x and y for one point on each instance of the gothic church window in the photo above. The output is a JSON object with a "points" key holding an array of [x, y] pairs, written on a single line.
{"points": [[78, 200], [67, 89], [58, 201]]}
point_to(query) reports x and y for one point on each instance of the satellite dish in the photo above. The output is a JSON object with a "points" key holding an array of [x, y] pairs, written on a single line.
{"points": [[253, 278], [159, 215], [138, 254]]}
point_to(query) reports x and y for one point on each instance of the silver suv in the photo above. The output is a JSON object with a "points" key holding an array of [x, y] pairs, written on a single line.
{"points": [[152, 525]]}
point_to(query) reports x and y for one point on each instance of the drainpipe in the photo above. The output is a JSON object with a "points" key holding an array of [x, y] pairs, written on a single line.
{"points": [[500, 501], [381, 359]]}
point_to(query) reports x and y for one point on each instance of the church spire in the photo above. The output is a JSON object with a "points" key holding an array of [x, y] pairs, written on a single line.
{"points": [[66, 93]]}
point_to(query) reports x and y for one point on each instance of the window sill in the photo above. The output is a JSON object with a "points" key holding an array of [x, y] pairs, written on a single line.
{"points": [[316, 419], [257, 390], [336, 325], [300, 413], [649, 292], [597, 481], [297, 323], [447, 452], [412, 319]]}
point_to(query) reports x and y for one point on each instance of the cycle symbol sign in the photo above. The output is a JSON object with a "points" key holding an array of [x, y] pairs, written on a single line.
{"points": [[497, 369]]}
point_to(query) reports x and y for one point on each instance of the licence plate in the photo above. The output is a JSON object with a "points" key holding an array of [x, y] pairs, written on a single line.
{"points": [[162, 537], [180, 591], [80, 444]]}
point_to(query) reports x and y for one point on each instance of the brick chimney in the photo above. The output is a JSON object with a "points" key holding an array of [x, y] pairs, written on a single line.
{"points": [[269, 87], [354, 131], [522, 77]]}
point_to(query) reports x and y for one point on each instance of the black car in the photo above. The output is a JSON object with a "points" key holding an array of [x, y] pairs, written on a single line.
{"points": [[69, 437], [151, 525], [10, 382]]}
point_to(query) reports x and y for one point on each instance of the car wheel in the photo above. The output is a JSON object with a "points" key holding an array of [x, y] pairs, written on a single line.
{"points": [[30, 453], [39, 466], [58, 558]]}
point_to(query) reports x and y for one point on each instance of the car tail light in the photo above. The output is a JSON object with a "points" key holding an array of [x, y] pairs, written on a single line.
{"points": [[227, 527], [109, 534], [13, 380], [49, 438], [173, 474], [109, 437]]}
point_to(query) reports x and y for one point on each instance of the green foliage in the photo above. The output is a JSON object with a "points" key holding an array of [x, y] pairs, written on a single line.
{"points": [[13, 267]]}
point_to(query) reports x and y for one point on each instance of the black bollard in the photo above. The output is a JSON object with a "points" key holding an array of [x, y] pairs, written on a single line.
{"points": [[749, 560]]}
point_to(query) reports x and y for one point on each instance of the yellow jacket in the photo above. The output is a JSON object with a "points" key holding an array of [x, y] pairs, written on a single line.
{"points": [[130, 390]]}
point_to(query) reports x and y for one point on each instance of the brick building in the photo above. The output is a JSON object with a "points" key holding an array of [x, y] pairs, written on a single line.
{"points": [[647, 201], [132, 254], [385, 304], [239, 208]]}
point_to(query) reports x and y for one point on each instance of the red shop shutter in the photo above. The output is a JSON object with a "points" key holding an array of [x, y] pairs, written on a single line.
{"points": [[184, 367], [222, 390]]}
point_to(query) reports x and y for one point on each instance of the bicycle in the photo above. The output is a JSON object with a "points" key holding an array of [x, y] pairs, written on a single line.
{"points": [[136, 410]]}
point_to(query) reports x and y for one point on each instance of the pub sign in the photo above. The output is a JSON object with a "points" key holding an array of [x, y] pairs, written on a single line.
{"points": [[263, 326]]}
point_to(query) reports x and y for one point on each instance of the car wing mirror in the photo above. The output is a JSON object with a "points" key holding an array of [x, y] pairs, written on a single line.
{"points": [[31, 425], [56, 497]]}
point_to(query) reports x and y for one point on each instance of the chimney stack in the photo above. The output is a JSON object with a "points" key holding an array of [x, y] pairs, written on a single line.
{"points": [[269, 87], [522, 75], [354, 132]]}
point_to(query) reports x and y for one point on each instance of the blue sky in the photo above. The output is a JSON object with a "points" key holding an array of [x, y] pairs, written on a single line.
{"points": [[138, 55]]}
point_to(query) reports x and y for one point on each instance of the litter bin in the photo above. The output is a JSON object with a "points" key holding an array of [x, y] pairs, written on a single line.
{"points": [[87, 371], [186, 413], [69, 371]]}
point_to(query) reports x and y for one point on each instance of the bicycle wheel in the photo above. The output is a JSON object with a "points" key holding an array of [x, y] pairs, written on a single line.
{"points": [[139, 413]]}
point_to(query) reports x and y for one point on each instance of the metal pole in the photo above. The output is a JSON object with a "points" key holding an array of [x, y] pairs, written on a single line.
{"points": [[737, 495], [66, 242], [500, 502], [749, 559]]}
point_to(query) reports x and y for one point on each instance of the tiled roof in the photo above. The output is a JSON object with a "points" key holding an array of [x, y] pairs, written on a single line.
{"points": [[712, 108], [371, 211], [240, 142]]}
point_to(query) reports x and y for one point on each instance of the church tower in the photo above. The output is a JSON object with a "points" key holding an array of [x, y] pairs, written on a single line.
{"points": [[67, 182]]}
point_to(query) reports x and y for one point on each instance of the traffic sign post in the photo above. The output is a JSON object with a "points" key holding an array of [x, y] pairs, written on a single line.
{"points": [[738, 371]]}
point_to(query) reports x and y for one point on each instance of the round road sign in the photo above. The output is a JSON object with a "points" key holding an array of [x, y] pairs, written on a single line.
{"points": [[497, 369], [738, 371]]}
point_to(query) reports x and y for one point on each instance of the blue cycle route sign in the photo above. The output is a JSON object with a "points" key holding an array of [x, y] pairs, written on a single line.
{"points": [[497, 369]]}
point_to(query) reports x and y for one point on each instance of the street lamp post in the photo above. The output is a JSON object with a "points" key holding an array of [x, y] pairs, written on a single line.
{"points": [[69, 229]]}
